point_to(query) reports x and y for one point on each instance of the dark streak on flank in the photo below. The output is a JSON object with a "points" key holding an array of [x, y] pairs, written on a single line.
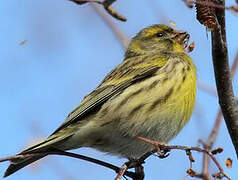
{"points": [[170, 68], [161, 99], [153, 84], [106, 123], [176, 62], [179, 86], [103, 112], [188, 68], [124, 101], [184, 77], [136, 109], [183, 70], [165, 79], [113, 121]]}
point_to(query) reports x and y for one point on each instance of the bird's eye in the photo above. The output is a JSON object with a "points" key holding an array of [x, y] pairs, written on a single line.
{"points": [[159, 34]]}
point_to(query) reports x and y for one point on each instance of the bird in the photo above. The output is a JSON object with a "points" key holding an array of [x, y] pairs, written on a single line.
{"points": [[150, 94]]}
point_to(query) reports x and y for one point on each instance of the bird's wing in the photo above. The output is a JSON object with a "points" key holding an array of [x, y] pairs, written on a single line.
{"points": [[94, 100], [100, 95]]}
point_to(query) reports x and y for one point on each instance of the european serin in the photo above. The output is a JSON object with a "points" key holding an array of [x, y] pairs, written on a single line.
{"points": [[150, 94]]}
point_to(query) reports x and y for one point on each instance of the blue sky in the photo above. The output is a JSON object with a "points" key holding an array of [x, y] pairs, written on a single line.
{"points": [[68, 51]]}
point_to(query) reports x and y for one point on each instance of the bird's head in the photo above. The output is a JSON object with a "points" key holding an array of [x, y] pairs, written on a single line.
{"points": [[156, 38]]}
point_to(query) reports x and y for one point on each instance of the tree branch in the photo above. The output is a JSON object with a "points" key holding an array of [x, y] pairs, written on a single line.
{"points": [[107, 6], [123, 39], [166, 148], [223, 77], [69, 154]]}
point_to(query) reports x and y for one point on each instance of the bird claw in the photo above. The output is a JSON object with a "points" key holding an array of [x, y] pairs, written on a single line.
{"points": [[163, 153]]}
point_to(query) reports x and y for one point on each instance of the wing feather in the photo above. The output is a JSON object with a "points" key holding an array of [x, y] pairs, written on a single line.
{"points": [[100, 95]]}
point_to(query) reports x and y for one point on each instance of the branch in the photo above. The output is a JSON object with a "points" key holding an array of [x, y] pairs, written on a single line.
{"points": [[137, 164], [216, 126], [123, 39], [214, 132], [69, 154], [166, 148], [207, 88], [107, 6], [223, 77]]}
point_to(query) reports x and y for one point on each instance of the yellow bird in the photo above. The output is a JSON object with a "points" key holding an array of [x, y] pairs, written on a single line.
{"points": [[150, 94]]}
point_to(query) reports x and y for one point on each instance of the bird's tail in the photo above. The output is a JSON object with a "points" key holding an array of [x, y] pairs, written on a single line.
{"points": [[15, 166], [35, 153]]}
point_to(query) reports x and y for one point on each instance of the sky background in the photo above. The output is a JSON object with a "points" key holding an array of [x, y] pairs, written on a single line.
{"points": [[68, 51]]}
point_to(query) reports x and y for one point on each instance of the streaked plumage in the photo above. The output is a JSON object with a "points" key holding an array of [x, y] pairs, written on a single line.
{"points": [[150, 94]]}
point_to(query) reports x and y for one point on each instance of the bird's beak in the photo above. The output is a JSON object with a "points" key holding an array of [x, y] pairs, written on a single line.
{"points": [[182, 38]]}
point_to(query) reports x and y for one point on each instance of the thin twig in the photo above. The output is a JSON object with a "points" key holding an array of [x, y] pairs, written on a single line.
{"points": [[135, 164], [205, 166], [121, 172], [185, 148], [214, 132], [107, 6], [96, 161], [123, 39], [69, 154], [207, 88], [208, 145]]}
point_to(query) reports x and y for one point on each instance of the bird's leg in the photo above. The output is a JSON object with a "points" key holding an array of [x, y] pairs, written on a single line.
{"points": [[121, 172], [162, 150], [132, 163], [139, 170]]}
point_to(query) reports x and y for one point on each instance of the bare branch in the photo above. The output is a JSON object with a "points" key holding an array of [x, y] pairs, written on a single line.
{"points": [[161, 146], [107, 6], [111, 11], [69, 154], [214, 132], [207, 88], [123, 39], [223, 77]]}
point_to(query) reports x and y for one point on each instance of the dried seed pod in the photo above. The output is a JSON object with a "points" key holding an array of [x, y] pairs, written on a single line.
{"points": [[191, 47], [228, 162], [218, 175], [191, 172], [189, 154], [217, 150], [206, 13]]}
